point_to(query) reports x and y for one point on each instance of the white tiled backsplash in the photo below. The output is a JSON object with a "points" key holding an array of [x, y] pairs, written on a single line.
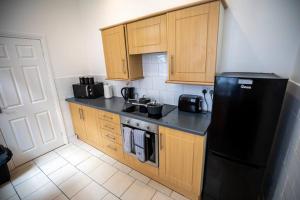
{"points": [[155, 67]]}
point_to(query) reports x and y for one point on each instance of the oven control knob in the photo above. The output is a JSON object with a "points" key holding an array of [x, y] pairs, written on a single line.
{"points": [[148, 127], [137, 124], [128, 122]]}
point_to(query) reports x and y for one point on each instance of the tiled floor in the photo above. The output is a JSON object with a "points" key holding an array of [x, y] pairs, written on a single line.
{"points": [[79, 171]]}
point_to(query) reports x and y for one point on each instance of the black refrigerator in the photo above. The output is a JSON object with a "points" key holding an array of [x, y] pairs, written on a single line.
{"points": [[246, 109]]}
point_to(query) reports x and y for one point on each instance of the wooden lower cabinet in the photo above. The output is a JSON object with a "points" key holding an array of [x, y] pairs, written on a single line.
{"points": [[181, 155], [77, 114]]}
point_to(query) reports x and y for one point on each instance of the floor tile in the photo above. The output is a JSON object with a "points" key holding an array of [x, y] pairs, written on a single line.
{"points": [[77, 156], [161, 196], [91, 192], [63, 147], [15, 197], [108, 159], [7, 191], [70, 149], [110, 197], [46, 158], [31, 185], [47, 192], [53, 165], [96, 152], [177, 196], [20, 175], [20, 168], [102, 173], [122, 167], [140, 189], [85, 147], [160, 187], [89, 164], [118, 183], [62, 174], [139, 176], [61, 197], [74, 184]]}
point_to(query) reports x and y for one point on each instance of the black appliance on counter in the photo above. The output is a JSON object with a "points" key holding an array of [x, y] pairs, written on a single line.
{"points": [[246, 109], [190, 103], [127, 93], [87, 89]]}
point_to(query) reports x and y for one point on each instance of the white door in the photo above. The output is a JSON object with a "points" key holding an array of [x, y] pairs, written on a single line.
{"points": [[28, 118]]}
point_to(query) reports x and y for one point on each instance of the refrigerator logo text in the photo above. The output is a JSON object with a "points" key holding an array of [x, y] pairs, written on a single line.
{"points": [[248, 87]]}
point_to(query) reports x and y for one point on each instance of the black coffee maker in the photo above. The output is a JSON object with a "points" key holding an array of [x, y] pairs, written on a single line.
{"points": [[127, 93]]}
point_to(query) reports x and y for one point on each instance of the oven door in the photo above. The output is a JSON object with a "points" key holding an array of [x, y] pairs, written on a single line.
{"points": [[151, 146]]}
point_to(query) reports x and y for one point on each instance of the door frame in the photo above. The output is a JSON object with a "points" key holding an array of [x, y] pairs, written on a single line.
{"points": [[49, 68]]}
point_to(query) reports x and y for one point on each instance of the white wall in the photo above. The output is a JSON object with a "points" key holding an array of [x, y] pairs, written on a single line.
{"points": [[259, 35], [296, 72], [59, 21]]}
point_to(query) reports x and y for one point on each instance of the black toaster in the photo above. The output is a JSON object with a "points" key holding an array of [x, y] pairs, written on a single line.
{"points": [[190, 103]]}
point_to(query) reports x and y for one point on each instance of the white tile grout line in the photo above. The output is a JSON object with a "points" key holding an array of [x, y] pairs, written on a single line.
{"points": [[14, 190], [109, 192]]}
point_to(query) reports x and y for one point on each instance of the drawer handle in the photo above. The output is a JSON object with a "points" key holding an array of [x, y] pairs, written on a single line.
{"points": [[111, 128], [110, 136], [112, 148], [107, 117]]}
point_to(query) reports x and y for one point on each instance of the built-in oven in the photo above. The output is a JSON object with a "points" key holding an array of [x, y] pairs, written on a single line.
{"points": [[150, 142]]}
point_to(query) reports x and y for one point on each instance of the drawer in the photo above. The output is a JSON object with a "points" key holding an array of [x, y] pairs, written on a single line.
{"points": [[112, 149], [111, 136], [111, 127], [110, 117]]}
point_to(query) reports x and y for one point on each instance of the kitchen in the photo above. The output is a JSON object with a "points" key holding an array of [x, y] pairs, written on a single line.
{"points": [[73, 47]]}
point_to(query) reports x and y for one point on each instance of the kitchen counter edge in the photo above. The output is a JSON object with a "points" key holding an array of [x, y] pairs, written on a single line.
{"points": [[167, 121]]}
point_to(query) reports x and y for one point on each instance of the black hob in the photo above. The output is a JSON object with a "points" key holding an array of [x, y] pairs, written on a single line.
{"points": [[135, 109]]}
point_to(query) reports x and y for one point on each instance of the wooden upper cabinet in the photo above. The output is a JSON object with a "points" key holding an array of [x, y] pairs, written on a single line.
{"points": [[119, 64], [192, 43], [115, 52], [181, 159], [148, 35]]}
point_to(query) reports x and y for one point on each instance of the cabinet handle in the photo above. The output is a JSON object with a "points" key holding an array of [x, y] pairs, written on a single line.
{"points": [[111, 128], [79, 111], [123, 63], [160, 141], [110, 136], [82, 114], [172, 64], [107, 117], [113, 148]]}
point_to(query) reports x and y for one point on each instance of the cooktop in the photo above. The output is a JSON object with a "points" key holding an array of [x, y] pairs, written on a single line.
{"points": [[135, 109]]}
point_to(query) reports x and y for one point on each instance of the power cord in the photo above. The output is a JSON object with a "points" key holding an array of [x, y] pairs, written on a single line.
{"points": [[204, 91], [211, 92]]}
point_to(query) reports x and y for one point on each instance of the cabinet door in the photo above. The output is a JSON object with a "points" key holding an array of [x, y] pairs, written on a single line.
{"points": [[91, 125], [181, 159], [115, 52], [192, 43], [148, 36], [78, 120]]}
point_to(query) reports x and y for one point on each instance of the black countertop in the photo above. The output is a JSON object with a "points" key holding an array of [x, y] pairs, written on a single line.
{"points": [[195, 123]]}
